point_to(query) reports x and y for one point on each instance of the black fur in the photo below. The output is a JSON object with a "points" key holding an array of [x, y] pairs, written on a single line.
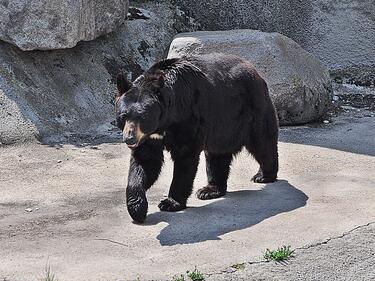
{"points": [[217, 103]]}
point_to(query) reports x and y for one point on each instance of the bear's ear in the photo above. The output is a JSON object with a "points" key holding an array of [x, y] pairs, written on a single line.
{"points": [[158, 80], [123, 85]]}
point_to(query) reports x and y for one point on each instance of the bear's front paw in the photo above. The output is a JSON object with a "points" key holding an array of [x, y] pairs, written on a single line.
{"points": [[171, 205], [209, 192], [137, 208], [260, 178]]}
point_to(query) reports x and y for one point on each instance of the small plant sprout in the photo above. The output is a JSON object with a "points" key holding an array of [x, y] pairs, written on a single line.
{"points": [[48, 275], [195, 275], [178, 278], [281, 254]]}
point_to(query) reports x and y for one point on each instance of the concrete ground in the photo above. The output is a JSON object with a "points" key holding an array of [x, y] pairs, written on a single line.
{"points": [[62, 205]]}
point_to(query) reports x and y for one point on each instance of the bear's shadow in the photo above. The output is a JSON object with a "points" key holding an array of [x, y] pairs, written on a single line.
{"points": [[237, 210]]}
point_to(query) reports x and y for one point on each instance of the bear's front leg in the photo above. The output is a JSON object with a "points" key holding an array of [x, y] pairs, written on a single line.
{"points": [[185, 168], [145, 166]]}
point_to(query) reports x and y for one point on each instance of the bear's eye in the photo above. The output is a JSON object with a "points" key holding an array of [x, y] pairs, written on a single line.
{"points": [[120, 122], [124, 115]]}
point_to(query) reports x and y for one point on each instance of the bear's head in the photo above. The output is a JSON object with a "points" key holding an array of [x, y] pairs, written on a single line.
{"points": [[140, 107]]}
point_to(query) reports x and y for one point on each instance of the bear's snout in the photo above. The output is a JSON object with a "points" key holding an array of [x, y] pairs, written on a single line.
{"points": [[130, 139], [132, 134]]}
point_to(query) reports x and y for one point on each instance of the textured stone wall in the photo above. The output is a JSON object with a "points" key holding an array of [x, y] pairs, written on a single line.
{"points": [[62, 94], [340, 33]]}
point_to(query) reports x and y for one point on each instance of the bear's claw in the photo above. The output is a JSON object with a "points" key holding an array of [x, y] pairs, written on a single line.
{"points": [[137, 208], [260, 178], [170, 205], [209, 192]]}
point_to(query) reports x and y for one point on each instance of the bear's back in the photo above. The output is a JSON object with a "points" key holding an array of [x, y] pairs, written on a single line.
{"points": [[229, 99]]}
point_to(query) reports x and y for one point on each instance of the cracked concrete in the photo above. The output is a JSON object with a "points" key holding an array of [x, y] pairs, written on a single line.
{"points": [[336, 237], [350, 256], [63, 204]]}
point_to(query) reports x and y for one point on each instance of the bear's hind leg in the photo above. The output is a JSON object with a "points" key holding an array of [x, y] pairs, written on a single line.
{"points": [[262, 145], [217, 168], [265, 152], [184, 172]]}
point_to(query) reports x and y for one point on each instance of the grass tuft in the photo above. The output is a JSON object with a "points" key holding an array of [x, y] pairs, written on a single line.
{"points": [[195, 275], [281, 254], [48, 275]]}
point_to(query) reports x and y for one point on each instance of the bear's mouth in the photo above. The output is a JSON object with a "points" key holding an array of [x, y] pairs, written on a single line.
{"points": [[138, 143], [132, 146]]}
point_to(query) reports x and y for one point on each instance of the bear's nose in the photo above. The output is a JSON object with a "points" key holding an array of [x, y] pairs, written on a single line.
{"points": [[130, 138]]}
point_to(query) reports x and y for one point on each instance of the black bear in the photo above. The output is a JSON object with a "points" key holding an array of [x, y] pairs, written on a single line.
{"points": [[217, 103]]}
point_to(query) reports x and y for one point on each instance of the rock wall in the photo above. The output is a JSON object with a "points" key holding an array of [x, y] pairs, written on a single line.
{"points": [[57, 94], [61, 94], [340, 33]]}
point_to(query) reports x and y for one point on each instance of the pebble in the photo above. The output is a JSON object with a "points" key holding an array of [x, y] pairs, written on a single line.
{"points": [[59, 161], [28, 210], [326, 122]]}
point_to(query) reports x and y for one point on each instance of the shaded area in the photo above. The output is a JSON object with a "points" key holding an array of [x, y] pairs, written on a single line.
{"points": [[355, 136], [113, 135], [43, 220], [237, 210]]}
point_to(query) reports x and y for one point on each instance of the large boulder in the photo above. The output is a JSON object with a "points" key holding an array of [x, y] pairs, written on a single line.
{"points": [[57, 24], [299, 83]]}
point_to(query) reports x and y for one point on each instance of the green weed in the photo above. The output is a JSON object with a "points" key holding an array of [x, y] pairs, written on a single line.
{"points": [[195, 275], [281, 254]]}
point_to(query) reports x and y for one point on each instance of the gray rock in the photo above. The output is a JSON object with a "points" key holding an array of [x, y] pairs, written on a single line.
{"points": [[340, 33], [299, 83], [62, 95], [57, 24]]}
